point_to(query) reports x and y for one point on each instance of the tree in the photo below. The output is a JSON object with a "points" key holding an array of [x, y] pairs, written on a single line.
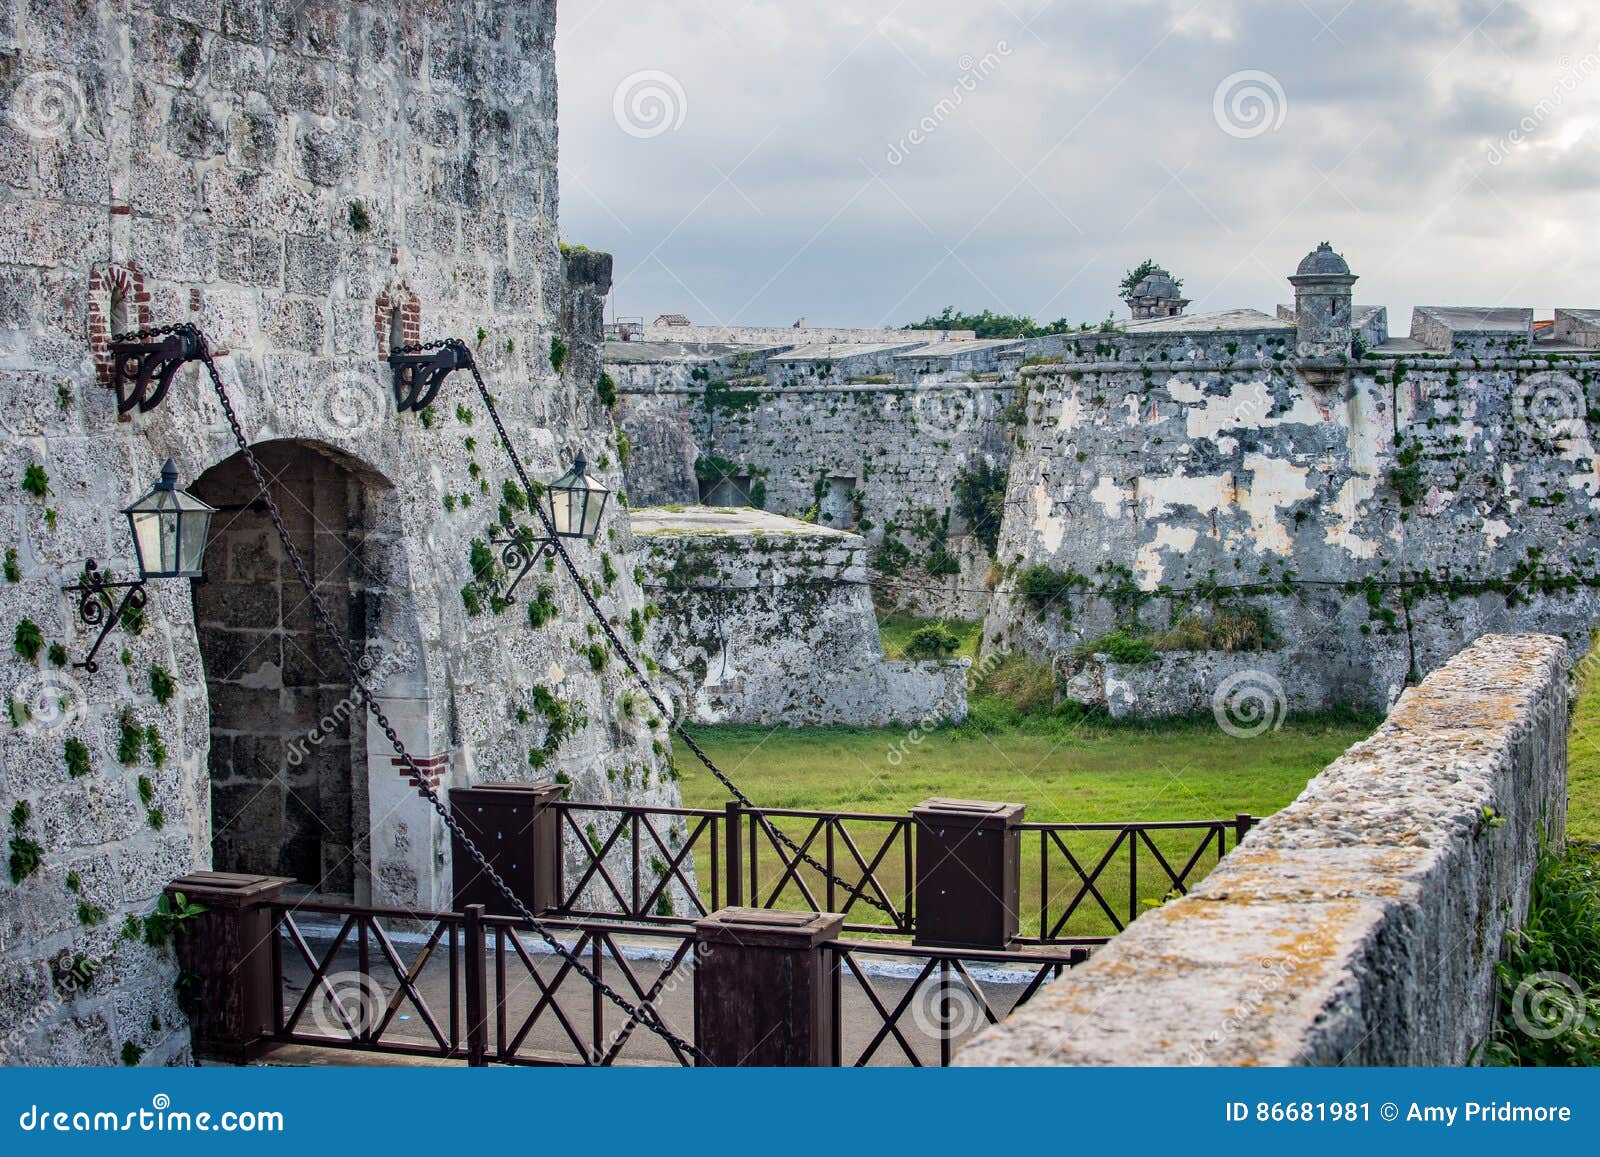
{"points": [[993, 325], [1131, 279]]}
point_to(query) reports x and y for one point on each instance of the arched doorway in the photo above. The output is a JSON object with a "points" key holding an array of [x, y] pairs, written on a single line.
{"points": [[289, 763]]}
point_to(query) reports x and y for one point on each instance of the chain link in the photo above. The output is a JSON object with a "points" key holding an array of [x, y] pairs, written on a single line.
{"points": [[645, 1015], [852, 891]]}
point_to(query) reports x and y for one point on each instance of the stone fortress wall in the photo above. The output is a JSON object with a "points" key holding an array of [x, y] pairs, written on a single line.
{"points": [[307, 182], [1364, 513], [866, 431], [1297, 501], [761, 619]]}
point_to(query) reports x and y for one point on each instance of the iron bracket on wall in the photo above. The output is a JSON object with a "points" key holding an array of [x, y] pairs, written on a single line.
{"points": [[419, 376], [521, 551], [95, 605], [142, 369]]}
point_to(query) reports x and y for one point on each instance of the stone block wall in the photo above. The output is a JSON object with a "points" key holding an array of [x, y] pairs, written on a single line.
{"points": [[822, 437], [1369, 522], [1361, 924], [762, 619], [307, 182]]}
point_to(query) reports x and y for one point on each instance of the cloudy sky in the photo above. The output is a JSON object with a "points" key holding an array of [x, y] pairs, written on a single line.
{"points": [[867, 162]]}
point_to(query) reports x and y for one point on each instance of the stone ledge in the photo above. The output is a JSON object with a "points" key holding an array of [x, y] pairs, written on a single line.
{"points": [[1361, 924]]}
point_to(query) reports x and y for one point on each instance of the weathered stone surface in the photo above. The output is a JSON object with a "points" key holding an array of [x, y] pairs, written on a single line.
{"points": [[766, 619], [1361, 924], [869, 429], [254, 169]]}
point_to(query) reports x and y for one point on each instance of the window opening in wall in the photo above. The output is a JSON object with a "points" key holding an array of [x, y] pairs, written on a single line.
{"points": [[838, 505]]}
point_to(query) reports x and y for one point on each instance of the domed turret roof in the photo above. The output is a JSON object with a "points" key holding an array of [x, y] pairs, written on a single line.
{"points": [[1323, 262], [1157, 283]]}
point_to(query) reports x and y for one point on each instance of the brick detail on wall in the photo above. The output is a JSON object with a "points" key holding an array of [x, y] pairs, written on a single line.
{"points": [[108, 285], [433, 769], [410, 318]]}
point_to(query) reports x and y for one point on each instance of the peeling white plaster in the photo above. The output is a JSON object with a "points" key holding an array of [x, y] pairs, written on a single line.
{"points": [[1051, 530], [1149, 566], [1277, 485], [1110, 496], [1205, 493]]}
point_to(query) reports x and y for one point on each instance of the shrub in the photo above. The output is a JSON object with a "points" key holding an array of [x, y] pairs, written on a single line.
{"points": [[933, 641], [558, 354], [606, 387], [1121, 646], [1044, 587]]}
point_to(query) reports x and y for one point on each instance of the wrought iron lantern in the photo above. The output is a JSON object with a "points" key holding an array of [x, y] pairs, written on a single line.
{"points": [[169, 528], [573, 504]]}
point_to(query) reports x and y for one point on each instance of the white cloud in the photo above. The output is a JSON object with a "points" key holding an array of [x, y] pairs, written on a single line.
{"points": [[1090, 145]]}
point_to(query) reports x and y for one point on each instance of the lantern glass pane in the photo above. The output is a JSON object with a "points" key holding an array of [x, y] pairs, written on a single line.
{"points": [[146, 526], [192, 543], [594, 507]]}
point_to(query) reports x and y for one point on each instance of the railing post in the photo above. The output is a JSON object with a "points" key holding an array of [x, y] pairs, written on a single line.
{"points": [[227, 954], [733, 833], [764, 988], [477, 988], [968, 886], [1242, 823], [517, 828]]}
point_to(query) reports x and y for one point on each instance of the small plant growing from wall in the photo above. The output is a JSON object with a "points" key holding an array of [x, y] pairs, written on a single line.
{"points": [[36, 481], [606, 387], [162, 685], [130, 741], [28, 640], [558, 353], [154, 747], [542, 607], [1405, 477], [26, 854], [76, 754], [359, 221], [173, 916], [13, 567]]}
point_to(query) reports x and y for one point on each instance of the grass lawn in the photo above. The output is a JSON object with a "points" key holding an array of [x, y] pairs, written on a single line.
{"points": [[1080, 772], [897, 629], [1087, 774], [1583, 765]]}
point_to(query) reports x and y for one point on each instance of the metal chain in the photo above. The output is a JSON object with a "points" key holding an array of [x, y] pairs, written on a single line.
{"points": [[645, 1015], [856, 890]]}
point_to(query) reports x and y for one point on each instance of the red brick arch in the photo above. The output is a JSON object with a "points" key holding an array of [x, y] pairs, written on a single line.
{"points": [[108, 285], [410, 309]]}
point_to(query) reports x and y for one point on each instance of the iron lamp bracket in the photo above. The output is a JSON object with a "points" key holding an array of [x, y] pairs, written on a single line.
{"points": [[419, 376], [98, 608], [520, 552], [142, 369]]}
